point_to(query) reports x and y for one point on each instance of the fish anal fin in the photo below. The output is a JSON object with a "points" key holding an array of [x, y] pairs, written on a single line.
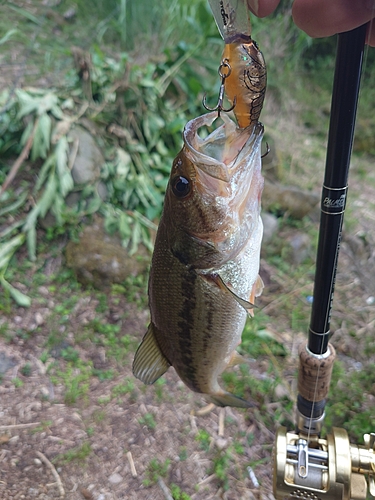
{"points": [[149, 362], [236, 359], [256, 290], [224, 398], [258, 287], [248, 306]]}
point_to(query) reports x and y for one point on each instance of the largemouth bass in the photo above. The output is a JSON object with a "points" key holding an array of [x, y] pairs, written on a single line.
{"points": [[204, 272]]}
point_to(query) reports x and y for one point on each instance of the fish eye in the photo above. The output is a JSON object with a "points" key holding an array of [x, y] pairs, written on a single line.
{"points": [[180, 186]]}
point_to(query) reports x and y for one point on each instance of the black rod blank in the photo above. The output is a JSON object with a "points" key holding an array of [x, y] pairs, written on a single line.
{"points": [[349, 58]]}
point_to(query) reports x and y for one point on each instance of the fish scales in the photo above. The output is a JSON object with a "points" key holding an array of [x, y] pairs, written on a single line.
{"points": [[206, 259]]}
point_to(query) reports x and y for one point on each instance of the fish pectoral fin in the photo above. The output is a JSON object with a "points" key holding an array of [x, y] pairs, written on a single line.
{"points": [[224, 398], [149, 362], [226, 288]]}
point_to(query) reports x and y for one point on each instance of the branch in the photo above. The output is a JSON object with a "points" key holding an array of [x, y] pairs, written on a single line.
{"points": [[22, 157], [54, 472]]}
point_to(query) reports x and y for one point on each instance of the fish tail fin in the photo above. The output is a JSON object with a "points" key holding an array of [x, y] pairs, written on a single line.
{"points": [[149, 362], [224, 398]]}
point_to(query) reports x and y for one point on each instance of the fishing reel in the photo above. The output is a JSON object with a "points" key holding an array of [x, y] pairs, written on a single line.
{"points": [[314, 468], [309, 467]]}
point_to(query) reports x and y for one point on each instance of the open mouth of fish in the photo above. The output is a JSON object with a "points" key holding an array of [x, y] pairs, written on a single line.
{"points": [[227, 154], [227, 165]]}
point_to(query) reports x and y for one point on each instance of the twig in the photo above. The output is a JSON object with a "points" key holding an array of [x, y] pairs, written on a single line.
{"points": [[205, 410], [221, 422], [131, 463], [253, 477], [207, 480], [164, 488], [18, 426], [193, 424], [54, 472], [22, 157]]}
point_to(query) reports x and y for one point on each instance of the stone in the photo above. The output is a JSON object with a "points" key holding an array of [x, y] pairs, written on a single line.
{"points": [[6, 363], [270, 226], [115, 478], [300, 246], [100, 260], [89, 158], [291, 200]]}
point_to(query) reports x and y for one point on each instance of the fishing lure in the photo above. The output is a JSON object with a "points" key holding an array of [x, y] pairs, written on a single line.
{"points": [[246, 76]]}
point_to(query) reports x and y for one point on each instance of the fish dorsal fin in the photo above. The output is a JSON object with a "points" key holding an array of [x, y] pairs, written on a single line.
{"points": [[244, 303], [149, 362]]}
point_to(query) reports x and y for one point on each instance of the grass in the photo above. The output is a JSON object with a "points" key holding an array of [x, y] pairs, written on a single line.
{"points": [[156, 469], [78, 454], [148, 420]]}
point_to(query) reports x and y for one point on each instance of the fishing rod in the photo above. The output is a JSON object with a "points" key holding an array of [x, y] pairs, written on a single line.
{"points": [[305, 465]]}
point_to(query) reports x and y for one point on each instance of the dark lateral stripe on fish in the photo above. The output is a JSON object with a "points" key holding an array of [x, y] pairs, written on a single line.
{"points": [[207, 335], [185, 326]]}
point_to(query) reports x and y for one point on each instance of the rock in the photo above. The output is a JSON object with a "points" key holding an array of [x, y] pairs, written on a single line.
{"points": [[221, 443], [281, 392], [6, 363], [300, 247], [100, 260], [115, 478], [270, 226], [39, 320], [289, 199], [89, 158]]}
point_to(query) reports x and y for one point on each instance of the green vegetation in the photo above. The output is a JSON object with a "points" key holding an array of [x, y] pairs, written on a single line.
{"points": [[148, 420], [204, 439], [77, 454], [177, 494], [155, 470], [350, 400]]}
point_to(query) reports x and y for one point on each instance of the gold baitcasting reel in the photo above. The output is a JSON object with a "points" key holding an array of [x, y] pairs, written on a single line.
{"points": [[316, 469]]}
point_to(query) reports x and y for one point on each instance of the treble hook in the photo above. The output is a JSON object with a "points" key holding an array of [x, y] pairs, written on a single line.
{"points": [[219, 106], [268, 149]]}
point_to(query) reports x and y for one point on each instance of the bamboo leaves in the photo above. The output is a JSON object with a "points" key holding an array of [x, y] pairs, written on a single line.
{"points": [[7, 251], [144, 105], [63, 171], [53, 182]]}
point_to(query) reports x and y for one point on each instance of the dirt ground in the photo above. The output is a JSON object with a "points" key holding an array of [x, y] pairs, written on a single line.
{"points": [[36, 425]]}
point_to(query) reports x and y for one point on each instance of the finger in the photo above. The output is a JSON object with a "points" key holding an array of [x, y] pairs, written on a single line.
{"points": [[262, 8], [319, 18]]}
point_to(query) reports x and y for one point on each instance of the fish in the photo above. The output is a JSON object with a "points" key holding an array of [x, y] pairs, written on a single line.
{"points": [[204, 274]]}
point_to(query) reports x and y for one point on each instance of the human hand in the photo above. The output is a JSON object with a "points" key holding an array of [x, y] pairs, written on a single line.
{"points": [[320, 18]]}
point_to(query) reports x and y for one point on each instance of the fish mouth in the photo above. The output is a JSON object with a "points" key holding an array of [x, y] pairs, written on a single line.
{"points": [[226, 153], [227, 165]]}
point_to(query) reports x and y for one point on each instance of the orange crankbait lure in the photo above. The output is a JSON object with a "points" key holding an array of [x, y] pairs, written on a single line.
{"points": [[245, 83]]}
